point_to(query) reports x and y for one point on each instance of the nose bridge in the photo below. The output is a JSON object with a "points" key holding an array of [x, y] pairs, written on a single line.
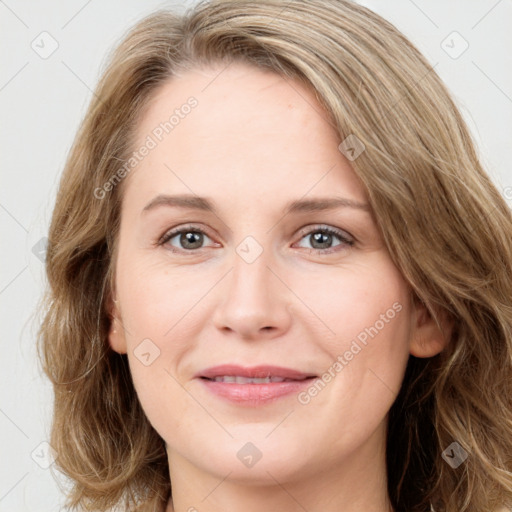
{"points": [[255, 300], [251, 276]]}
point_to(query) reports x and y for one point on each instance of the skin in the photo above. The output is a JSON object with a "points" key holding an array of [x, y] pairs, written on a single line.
{"points": [[255, 142]]}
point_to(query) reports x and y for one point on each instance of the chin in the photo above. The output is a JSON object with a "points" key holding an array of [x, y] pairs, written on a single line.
{"points": [[255, 460]]}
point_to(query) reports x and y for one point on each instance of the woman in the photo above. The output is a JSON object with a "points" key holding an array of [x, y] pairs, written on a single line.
{"points": [[280, 278]]}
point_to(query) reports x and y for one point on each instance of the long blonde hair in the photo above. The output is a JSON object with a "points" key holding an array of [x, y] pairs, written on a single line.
{"points": [[445, 224]]}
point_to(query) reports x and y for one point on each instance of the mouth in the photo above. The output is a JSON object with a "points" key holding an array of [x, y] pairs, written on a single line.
{"points": [[253, 386], [238, 379], [263, 374]]}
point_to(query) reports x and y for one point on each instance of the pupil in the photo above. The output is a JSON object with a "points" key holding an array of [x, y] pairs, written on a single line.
{"points": [[191, 240], [321, 238]]}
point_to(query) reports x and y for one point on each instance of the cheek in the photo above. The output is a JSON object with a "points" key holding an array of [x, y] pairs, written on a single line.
{"points": [[154, 302], [158, 308], [157, 298], [361, 302], [368, 309]]}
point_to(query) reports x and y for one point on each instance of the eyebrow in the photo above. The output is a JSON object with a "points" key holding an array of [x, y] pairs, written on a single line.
{"points": [[193, 202]]}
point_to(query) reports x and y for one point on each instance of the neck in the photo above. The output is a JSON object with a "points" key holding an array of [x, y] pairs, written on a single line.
{"points": [[357, 483]]}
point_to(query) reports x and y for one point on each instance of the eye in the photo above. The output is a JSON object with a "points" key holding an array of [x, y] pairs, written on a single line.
{"points": [[191, 239], [321, 239], [187, 238]]}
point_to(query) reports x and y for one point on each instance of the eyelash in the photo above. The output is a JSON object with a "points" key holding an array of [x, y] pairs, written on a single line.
{"points": [[341, 235]]}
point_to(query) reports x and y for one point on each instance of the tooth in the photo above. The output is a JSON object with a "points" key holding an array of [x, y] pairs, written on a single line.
{"points": [[242, 380], [238, 379], [225, 378], [261, 380]]}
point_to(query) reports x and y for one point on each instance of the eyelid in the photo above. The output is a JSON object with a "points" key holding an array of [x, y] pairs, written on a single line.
{"points": [[341, 233], [172, 232]]}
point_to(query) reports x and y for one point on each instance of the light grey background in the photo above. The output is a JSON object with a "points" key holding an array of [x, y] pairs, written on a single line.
{"points": [[42, 101]]}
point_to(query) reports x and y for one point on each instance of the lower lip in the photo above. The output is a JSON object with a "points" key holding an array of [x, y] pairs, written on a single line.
{"points": [[255, 394]]}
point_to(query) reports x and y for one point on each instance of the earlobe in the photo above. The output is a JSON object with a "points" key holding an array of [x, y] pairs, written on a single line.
{"points": [[116, 336], [428, 338]]}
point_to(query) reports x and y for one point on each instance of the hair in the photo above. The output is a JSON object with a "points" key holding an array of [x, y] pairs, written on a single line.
{"points": [[445, 225]]}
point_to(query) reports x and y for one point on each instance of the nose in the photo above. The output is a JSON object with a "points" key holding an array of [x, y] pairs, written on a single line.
{"points": [[256, 301]]}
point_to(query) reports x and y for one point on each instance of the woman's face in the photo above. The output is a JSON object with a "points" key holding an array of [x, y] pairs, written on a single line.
{"points": [[279, 272]]}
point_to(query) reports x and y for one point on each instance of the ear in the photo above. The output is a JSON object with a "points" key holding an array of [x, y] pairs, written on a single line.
{"points": [[116, 337], [428, 338]]}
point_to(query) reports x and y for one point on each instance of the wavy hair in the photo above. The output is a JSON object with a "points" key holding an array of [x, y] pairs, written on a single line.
{"points": [[445, 224]]}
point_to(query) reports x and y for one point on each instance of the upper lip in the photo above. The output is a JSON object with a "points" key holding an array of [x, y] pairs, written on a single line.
{"points": [[253, 372]]}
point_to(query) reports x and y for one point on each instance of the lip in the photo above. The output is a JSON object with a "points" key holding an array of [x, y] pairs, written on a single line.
{"points": [[254, 394]]}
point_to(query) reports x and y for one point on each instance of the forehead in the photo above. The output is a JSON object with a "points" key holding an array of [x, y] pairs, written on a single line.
{"points": [[248, 132]]}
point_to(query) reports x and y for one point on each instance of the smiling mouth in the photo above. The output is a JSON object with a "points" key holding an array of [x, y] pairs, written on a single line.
{"points": [[253, 386]]}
